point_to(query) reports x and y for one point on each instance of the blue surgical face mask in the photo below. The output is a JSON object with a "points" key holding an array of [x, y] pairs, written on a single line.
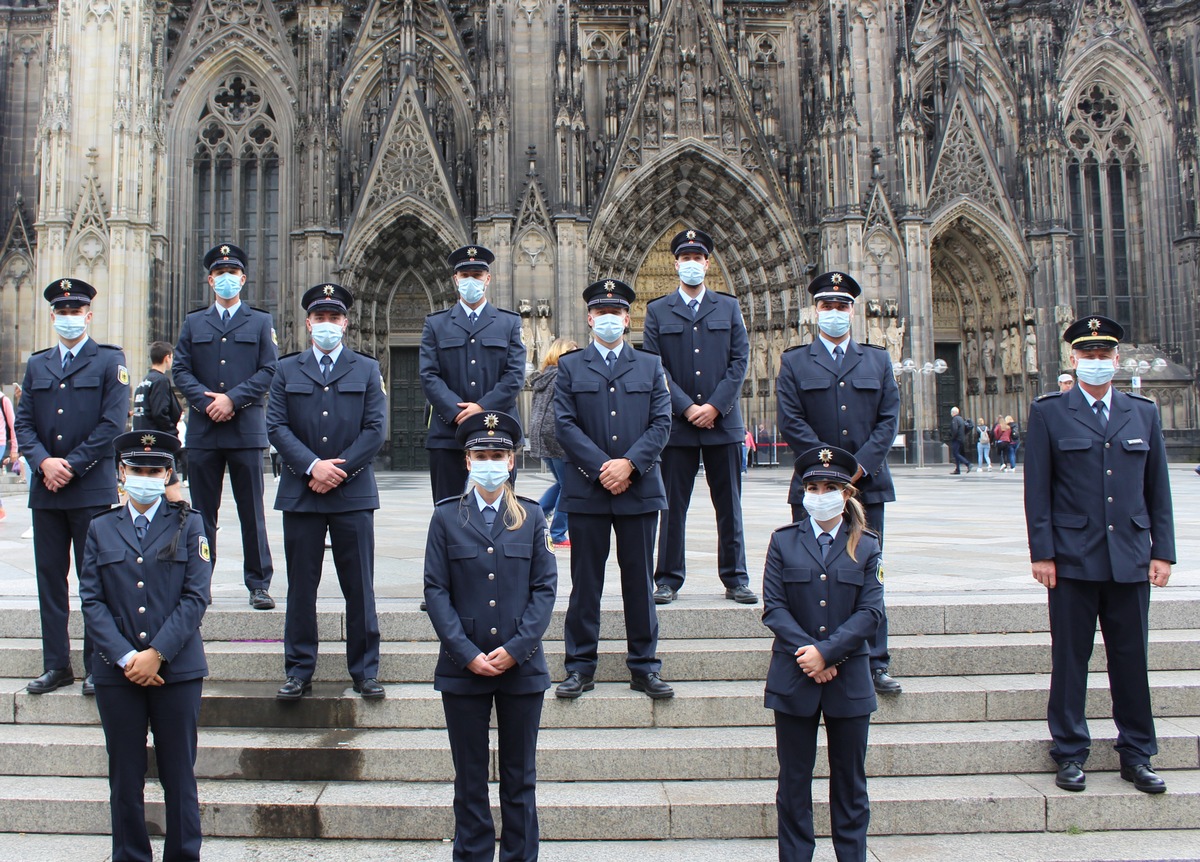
{"points": [[327, 336], [471, 290], [835, 324], [144, 489], [1095, 372], [824, 507], [70, 326], [489, 475], [227, 285], [691, 272], [608, 327]]}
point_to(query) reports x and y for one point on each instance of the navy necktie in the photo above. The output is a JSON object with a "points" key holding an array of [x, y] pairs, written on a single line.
{"points": [[1101, 413], [140, 525], [489, 515], [224, 316], [694, 305], [838, 353], [67, 360], [326, 365], [472, 317], [825, 541], [611, 358]]}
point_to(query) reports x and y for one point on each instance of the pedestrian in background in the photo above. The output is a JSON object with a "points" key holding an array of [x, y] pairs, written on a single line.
{"points": [[1014, 439], [8, 441], [959, 427], [542, 440], [1065, 382], [983, 444], [748, 447], [1002, 435]]}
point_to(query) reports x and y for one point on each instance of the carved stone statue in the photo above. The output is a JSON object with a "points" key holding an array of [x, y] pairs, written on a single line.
{"points": [[762, 361], [1015, 350], [972, 355], [895, 338], [1005, 353], [1064, 315], [989, 353], [544, 338], [1031, 359], [875, 332]]}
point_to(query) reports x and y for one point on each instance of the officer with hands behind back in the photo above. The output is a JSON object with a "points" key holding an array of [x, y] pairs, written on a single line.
{"points": [[74, 403], [1101, 531], [490, 580], [145, 587], [823, 599], [224, 363]]}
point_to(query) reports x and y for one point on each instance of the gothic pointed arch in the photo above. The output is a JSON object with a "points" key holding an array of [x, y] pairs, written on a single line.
{"points": [[1113, 25], [963, 166], [18, 270]]}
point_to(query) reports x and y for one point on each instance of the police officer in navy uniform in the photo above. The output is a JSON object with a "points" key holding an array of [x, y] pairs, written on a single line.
{"points": [[837, 392], [613, 418], [74, 403], [472, 360], [823, 599], [490, 581], [145, 584], [224, 363], [326, 418], [702, 340], [1101, 531]]}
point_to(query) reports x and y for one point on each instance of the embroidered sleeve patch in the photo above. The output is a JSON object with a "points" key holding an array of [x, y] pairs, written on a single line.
{"points": [[122, 375], [205, 553], [549, 541], [274, 337], [879, 574]]}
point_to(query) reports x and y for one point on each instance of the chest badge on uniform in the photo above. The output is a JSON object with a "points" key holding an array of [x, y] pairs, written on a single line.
{"points": [[122, 375], [205, 553]]}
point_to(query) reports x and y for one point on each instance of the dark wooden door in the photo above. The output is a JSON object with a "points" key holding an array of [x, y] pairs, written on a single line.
{"points": [[408, 412], [949, 385]]}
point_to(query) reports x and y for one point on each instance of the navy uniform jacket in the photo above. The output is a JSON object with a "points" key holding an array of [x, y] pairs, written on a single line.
{"points": [[154, 404], [489, 587], [598, 418], [239, 361], [856, 407], [484, 365], [309, 418], [1097, 499], [834, 605], [149, 594], [74, 415], [705, 358]]}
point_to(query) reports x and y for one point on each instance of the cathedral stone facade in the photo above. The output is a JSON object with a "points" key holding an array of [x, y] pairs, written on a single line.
{"points": [[988, 171]]}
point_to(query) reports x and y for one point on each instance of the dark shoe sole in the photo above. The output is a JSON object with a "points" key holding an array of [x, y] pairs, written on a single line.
{"points": [[665, 600], [1073, 788], [371, 695], [48, 689], [294, 697], [653, 695], [742, 600], [571, 695]]}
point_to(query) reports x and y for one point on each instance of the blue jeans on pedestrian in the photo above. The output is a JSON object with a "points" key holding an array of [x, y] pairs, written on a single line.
{"points": [[1012, 455], [984, 450], [549, 501]]}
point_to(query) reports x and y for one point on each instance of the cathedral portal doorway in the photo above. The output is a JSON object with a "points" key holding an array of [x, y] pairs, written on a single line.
{"points": [[657, 277]]}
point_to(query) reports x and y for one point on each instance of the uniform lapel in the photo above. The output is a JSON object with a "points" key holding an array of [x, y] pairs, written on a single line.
{"points": [[475, 517], [818, 354], [624, 362], [308, 364], [486, 316], [839, 543], [162, 522], [1119, 413], [709, 303], [677, 305], [459, 318], [82, 359], [596, 362], [1083, 412], [240, 319], [343, 365], [53, 359], [213, 316], [809, 541], [126, 531], [854, 353]]}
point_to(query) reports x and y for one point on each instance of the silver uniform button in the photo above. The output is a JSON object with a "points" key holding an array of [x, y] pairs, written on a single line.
{"points": [[612, 389], [614, 436], [823, 576], [141, 610], [845, 433], [59, 436], [60, 411], [324, 439], [492, 603], [493, 630], [142, 635], [1108, 472], [491, 550], [324, 412], [491, 576], [326, 388], [843, 406], [1110, 528], [472, 361], [697, 373], [1108, 445], [697, 350], [842, 383], [821, 629], [222, 361], [613, 413], [141, 585], [139, 559], [822, 603], [62, 386], [223, 340]]}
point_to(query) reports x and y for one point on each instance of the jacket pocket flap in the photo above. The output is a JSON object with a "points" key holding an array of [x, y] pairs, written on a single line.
{"points": [[246, 336], [494, 342], [109, 556], [202, 338], [1071, 520], [462, 552], [516, 549], [1074, 444], [639, 386], [352, 386], [41, 383], [865, 383], [302, 388], [1135, 445], [814, 383], [796, 576], [1141, 519], [88, 381], [849, 576], [451, 342], [671, 328], [585, 385], [717, 324]]}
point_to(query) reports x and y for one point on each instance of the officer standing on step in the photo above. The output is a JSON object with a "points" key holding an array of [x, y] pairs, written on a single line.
{"points": [[326, 418], [613, 417], [472, 360], [702, 340], [145, 584], [1101, 531], [490, 580], [74, 403], [837, 392], [224, 363], [155, 406]]}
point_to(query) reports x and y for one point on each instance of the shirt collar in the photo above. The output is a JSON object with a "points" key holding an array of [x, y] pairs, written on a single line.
{"points": [[231, 311], [149, 513], [468, 310], [482, 503], [1107, 399], [699, 297], [63, 350], [333, 354], [816, 528], [829, 345], [603, 351]]}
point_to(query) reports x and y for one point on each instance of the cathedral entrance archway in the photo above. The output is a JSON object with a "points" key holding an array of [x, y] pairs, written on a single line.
{"points": [[657, 277]]}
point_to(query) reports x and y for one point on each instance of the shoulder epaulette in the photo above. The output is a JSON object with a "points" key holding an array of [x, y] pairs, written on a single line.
{"points": [[795, 347], [110, 346], [792, 526], [506, 311], [448, 500], [875, 346], [725, 293], [290, 355], [200, 310], [644, 350], [1139, 397], [569, 352], [181, 505], [367, 355], [259, 310], [108, 512], [1049, 395], [660, 298], [529, 500], [439, 311], [44, 350]]}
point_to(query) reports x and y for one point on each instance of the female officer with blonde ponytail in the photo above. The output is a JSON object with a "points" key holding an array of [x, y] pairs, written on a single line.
{"points": [[823, 599], [490, 581]]}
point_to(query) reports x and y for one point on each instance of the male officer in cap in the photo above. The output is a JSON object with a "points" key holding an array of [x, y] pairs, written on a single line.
{"points": [[224, 363], [1101, 531], [702, 340], [837, 392], [472, 359], [74, 403], [144, 588], [613, 418], [326, 419]]}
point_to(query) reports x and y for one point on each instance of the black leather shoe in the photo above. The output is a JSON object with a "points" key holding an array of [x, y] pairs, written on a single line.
{"points": [[884, 684], [1071, 777], [51, 680], [1144, 778], [89, 686], [424, 607], [260, 600], [664, 595], [574, 685], [652, 685], [955, 472], [742, 594], [370, 689], [293, 689]]}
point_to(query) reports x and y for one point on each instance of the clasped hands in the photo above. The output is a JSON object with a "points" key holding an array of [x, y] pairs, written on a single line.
{"points": [[327, 475], [616, 475], [56, 473], [220, 409], [812, 664], [493, 664], [142, 668]]}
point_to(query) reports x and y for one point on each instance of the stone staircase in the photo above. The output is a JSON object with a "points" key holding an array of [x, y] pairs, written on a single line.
{"points": [[962, 753]]}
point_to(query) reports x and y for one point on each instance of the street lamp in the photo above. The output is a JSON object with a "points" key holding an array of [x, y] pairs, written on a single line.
{"points": [[918, 373], [1138, 367]]}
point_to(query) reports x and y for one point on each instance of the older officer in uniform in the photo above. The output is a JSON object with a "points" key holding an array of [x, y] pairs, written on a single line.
{"points": [[74, 403], [1101, 531], [145, 588], [490, 580], [613, 417], [702, 340], [837, 392], [472, 360], [224, 362], [326, 418]]}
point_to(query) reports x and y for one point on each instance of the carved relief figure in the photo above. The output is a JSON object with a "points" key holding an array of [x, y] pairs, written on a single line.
{"points": [[895, 338], [1005, 354], [972, 355], [989, 353], [1031, 360], [875, 332]]}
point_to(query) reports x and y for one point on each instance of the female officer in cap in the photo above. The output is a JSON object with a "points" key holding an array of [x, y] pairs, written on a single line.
{"points": [[144, 587], [490, 581], [823, 599]]}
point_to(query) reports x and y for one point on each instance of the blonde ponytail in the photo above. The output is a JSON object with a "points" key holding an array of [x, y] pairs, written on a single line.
{"points": [[514, 512]]}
